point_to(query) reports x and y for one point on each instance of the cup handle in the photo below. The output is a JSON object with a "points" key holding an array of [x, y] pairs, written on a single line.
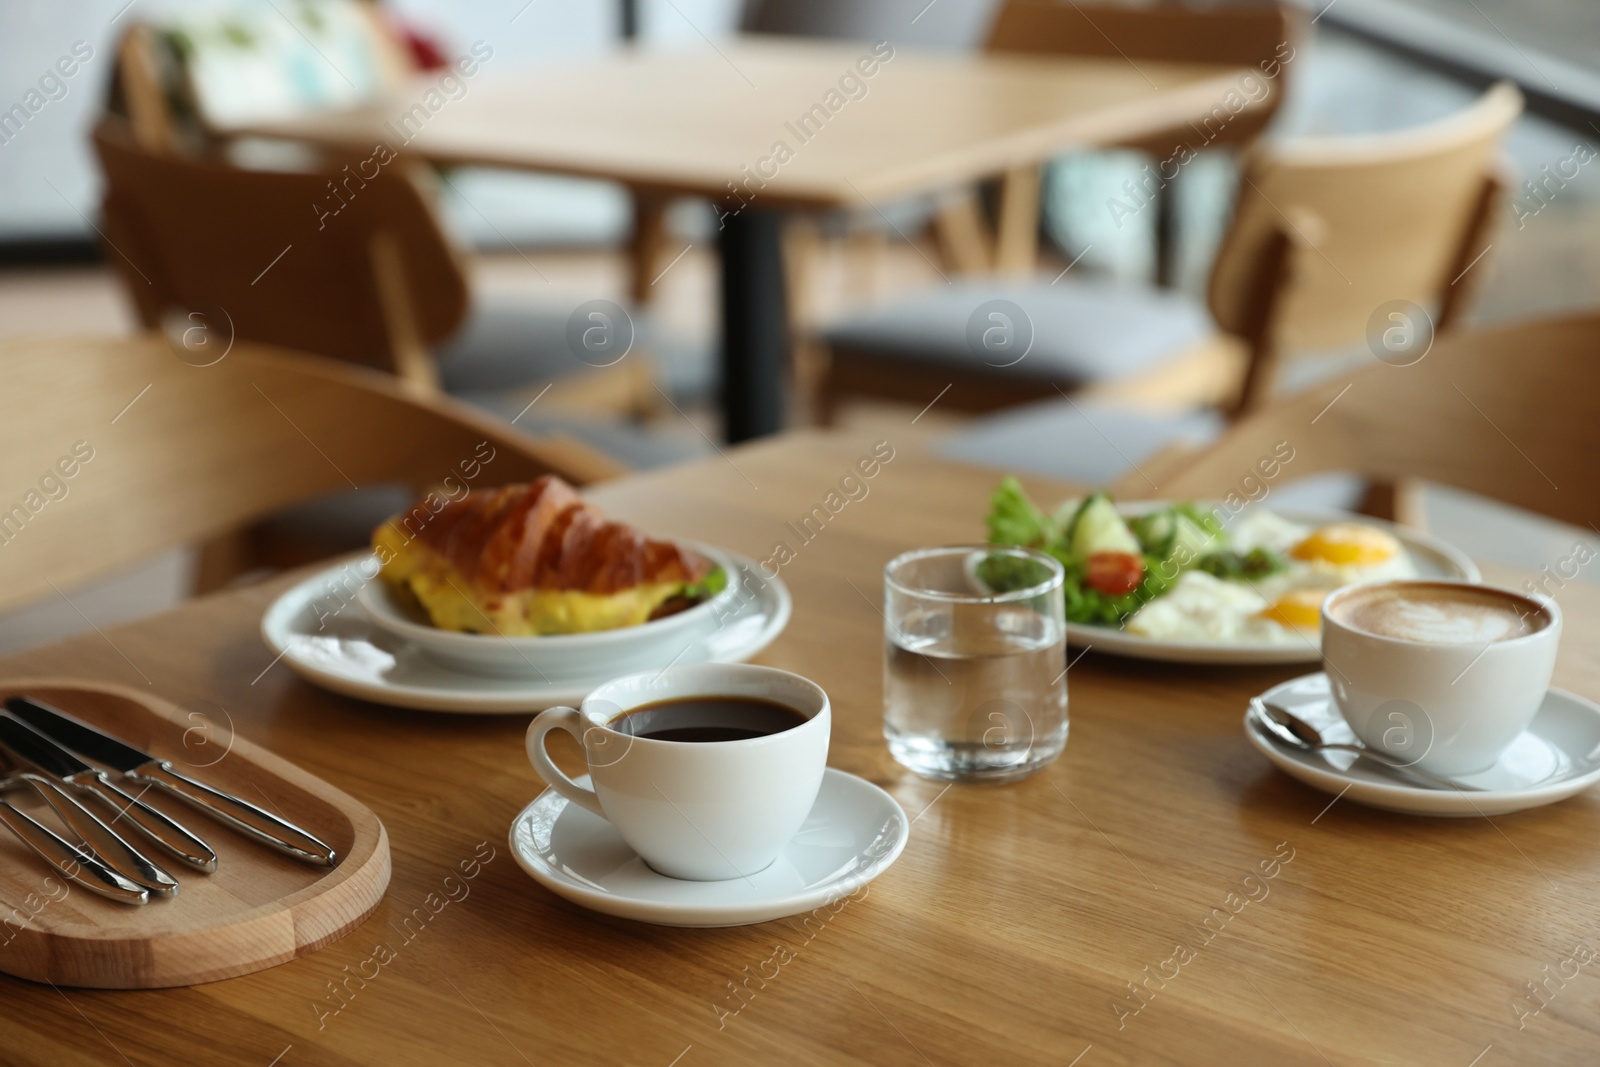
{"points": [[570, 720]]}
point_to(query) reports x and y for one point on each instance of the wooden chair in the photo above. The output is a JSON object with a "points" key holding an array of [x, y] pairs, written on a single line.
{"points": [[1324, 232], [116, 449], [156, 126], [1512, 413], [350, 264], [141, 91], [1258, 36], [366, 273]]}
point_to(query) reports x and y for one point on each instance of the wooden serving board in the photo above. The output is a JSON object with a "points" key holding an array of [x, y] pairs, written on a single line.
{"points": [[257, 910]]}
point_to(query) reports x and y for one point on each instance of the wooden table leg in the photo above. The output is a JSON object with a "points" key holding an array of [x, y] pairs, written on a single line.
{"points": [[755, 334], [645, 262]]}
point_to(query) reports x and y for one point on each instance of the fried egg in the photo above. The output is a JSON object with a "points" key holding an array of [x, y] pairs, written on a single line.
{"points": [[1259, 528], [1283, 607], [1322, 557], [1300, 609], [453, 605], [1200, 607]]}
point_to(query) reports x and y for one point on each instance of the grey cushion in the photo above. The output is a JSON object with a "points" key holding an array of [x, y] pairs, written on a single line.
{"points": [[506, 343], [512, 346], [340, 521], [1081, 331], [639, 447], [1095, 445], [494, 209], [510, 341], [1083, 443], [1331, 491]]}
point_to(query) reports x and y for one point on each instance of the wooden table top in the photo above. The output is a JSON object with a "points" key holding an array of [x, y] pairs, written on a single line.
{"points": [[1007, 931], [692, 121]]}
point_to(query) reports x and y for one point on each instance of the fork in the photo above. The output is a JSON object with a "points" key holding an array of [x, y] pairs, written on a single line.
{"points": [[98, 843], [74, 862]]}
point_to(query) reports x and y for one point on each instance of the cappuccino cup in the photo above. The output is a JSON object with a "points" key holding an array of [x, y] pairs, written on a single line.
{"points": [[706, 771], [1443, 675]]}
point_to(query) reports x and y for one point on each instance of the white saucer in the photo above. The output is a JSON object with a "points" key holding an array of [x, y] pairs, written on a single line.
{"points": [[854, 832], [320, 631], [1556, 757]]}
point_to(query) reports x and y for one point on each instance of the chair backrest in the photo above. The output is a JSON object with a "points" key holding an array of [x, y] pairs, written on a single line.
{"points": [[114, 449], [1512, 413], [142, 90], [349, 263], [1374, 218], [1260, 36]]}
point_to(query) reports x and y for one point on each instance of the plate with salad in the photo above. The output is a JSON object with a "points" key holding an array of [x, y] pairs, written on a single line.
{"points": [[1194, 582]]}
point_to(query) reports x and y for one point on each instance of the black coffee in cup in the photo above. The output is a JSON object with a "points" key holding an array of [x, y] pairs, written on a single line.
{"points": [[708, 718]]}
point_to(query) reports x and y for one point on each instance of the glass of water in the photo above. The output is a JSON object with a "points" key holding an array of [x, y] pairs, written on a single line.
{"points": [[974, 667]]}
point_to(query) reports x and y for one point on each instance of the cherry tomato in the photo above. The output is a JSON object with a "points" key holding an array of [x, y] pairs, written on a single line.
{"points": [[1115, 573]]}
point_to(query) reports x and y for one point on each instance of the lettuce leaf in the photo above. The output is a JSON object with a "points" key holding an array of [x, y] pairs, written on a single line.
{"points": [[1006, 574], [715, 581], [1088, 605], [1205, 518], [1016, 520], [1232, 566]]}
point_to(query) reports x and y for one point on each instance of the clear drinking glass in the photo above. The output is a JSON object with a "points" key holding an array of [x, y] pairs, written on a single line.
{"points": [[974, 664]]}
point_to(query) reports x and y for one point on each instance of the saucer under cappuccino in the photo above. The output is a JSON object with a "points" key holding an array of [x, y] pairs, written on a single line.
{"points": [[1440, 613]]}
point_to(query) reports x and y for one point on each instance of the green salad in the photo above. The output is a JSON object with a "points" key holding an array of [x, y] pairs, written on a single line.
{"points": [[1114, 565]]}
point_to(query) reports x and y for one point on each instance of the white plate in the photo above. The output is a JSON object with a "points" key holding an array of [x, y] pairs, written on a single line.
{"points": [[321, 633], [1433, 558], [609, 652], [853, 834], [1558, 755]]}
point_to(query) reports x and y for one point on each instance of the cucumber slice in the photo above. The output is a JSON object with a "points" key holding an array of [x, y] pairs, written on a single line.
{"points": [[1064, 512], [1189, 541], [1155, 530], [1098, 528]]}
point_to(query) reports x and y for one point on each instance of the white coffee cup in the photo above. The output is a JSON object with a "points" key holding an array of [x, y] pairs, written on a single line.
{"points": [[703, 811], [1450, 707]]}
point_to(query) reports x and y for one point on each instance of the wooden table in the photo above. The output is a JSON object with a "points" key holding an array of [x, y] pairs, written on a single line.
{"points": [[709, 123], [1006, 932]]}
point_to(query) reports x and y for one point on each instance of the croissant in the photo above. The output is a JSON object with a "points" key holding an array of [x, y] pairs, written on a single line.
{"points": [[533, 559]]}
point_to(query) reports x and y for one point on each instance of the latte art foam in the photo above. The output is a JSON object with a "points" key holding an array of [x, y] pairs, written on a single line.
{"points": [[1441, 614]]}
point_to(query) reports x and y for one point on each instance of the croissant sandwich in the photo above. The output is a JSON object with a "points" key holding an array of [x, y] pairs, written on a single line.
{"points": [[524, 560]]}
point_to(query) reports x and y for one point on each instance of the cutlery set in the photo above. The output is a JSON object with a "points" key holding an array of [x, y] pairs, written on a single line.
{"points": [[49, 751]]}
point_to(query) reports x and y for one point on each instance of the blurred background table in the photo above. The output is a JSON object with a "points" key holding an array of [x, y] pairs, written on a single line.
{"points": [[671, 122], [1007, 930]]}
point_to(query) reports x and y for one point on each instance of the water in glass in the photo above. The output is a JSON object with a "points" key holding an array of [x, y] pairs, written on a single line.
{"points": [[973, 688]]}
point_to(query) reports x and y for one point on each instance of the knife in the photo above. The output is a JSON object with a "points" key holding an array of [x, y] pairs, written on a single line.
{"points": [[56, 761], [73, 862], [92, 743]]}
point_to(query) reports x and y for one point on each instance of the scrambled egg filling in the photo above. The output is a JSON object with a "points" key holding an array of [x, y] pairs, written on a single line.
{"points": [[453, 604]]}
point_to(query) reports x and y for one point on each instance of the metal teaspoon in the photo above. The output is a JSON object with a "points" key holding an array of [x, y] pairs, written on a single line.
{"points": [[1287, 727]]}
